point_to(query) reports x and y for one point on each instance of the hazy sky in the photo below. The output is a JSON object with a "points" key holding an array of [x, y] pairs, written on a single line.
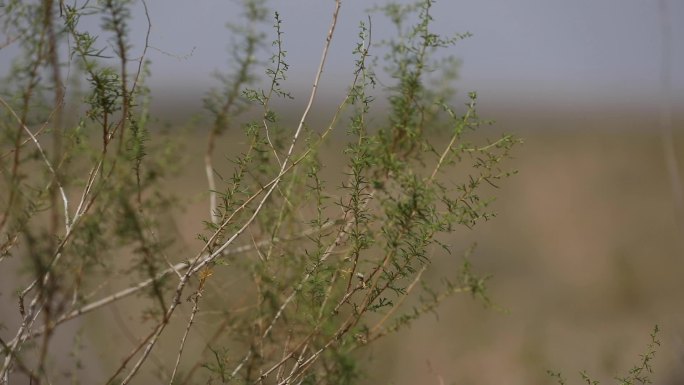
{"points": [[563, 50], [572, 51]]}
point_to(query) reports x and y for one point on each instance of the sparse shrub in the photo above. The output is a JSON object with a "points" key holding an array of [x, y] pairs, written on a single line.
{"points": [[638, 374], [323, 266]]}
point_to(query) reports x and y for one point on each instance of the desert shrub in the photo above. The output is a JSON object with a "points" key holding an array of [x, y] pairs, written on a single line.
{"points": [[299, 266], [640, 373]]}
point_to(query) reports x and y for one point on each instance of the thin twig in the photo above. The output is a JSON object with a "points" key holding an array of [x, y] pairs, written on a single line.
{"points": [[179, 267], [195, 307], [65, 201], [401, 300], [450, 146]]}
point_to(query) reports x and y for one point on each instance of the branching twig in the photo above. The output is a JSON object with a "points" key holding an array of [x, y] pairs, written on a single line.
{"points": [[195, 307], [178, 267], [47, 161]]}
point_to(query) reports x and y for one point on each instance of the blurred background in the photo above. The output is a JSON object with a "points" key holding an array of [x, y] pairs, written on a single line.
{"points": [[587, 251]]}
